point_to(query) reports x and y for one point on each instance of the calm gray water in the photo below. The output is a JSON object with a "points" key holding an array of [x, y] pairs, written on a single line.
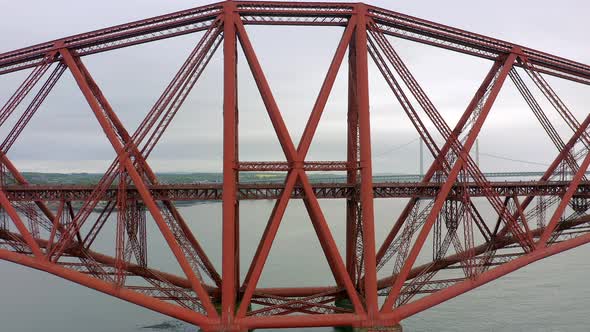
{"points": [[551, 295]]}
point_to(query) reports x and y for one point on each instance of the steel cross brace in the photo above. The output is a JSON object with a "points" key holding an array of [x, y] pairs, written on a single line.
{"points": [[420, 127], [445, 131], [140, 133], [5, 113], [487, 81], [435, 165], [402, 276], [296, 173]]}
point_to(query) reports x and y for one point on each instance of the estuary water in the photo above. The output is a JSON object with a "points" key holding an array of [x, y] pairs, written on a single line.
{"points": [[550, 295]]}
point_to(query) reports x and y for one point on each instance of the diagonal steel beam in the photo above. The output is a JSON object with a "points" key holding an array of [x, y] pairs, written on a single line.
{"points": [[137, 179], [443, 128], [402, 276], [557, 214], [293, 156], [171, 99], [435, 166]]}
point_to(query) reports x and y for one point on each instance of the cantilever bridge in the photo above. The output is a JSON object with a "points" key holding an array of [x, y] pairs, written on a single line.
{"points": [[377, 285]]}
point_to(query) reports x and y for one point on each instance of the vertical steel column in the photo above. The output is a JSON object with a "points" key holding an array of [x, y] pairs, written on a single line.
{"points": [[230, 273], [366, 190], [352, 172]]}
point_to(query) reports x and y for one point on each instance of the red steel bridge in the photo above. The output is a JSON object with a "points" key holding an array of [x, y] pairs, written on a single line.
{"points": [[53, 228]]}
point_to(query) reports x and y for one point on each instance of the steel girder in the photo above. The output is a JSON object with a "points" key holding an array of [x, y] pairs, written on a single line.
{"points": [[261, 191]]}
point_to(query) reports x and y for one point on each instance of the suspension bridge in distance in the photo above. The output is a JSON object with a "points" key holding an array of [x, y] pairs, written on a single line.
{"points": [[54, 228]]}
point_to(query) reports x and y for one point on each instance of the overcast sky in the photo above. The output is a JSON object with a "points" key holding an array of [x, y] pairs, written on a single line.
{"points": [[65, 137]]}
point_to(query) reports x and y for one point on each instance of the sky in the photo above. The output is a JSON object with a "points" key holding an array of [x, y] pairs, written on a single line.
{"points": [[64, 136]]}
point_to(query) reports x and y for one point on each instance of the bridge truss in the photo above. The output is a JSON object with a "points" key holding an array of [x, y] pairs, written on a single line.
{"points": [[53, 228]]}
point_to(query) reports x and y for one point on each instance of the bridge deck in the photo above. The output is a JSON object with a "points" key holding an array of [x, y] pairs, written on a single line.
{"points": [[257, 191]]}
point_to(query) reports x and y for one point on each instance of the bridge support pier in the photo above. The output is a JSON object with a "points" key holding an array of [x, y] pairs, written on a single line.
{"points": [[218, 307], [346, 304], [395, 328]]}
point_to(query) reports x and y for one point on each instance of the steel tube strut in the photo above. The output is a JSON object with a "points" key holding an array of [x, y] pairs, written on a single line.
{"points": [[230, 271], [366, 172]]}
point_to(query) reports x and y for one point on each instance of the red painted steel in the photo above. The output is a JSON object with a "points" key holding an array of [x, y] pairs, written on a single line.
{"points": [[230, 268], [42, 227]]}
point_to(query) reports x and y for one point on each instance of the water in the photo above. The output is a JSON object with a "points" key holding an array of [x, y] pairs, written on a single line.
{"points": [[551, 295]]}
